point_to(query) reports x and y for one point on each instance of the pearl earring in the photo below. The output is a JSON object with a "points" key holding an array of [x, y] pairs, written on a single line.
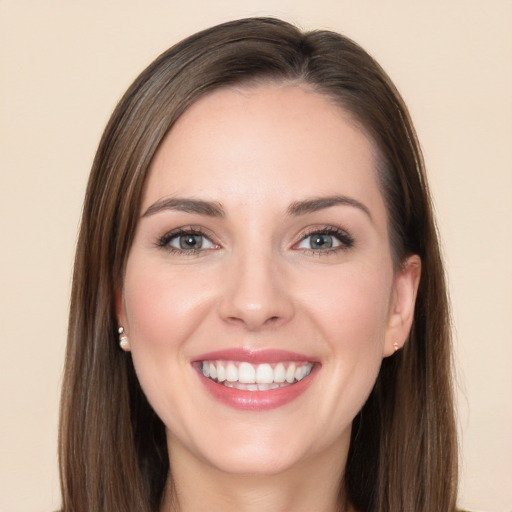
{"points": [[123, 340], [395, 345]]}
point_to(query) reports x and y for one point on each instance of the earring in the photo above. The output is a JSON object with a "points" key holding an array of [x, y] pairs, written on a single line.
{"points": [[123, 340], [395, 345]]}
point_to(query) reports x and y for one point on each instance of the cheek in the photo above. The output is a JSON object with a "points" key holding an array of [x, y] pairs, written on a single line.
{"points": [[352, 311], [351, 319], [163, 310], [347, 312]]}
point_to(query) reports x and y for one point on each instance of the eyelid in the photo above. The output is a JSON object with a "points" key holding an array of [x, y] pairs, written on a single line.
{"points": [[345, 239], [163, 241]]}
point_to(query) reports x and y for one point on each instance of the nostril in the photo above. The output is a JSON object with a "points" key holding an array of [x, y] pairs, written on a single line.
{"points": [[271, 321]]}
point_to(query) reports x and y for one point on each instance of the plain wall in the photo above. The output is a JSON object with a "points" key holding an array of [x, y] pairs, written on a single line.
{"points": [[65, 63]]}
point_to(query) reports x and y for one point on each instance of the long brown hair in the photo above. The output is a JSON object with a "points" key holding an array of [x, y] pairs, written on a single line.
{"points": [[113, 453]]}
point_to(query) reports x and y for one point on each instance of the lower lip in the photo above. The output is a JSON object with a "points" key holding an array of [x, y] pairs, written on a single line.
{"points": [[257, 400]]}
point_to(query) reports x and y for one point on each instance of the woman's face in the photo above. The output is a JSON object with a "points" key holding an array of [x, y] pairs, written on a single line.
{"points": [[260, 295]]}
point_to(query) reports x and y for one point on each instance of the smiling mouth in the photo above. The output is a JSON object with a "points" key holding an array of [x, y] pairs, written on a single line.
{"points": [[255, 377]]}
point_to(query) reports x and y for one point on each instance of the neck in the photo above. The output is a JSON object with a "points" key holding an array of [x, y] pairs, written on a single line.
{"points": [[315, 484]]}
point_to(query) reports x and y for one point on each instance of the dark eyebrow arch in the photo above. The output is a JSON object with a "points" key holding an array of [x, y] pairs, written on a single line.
{"points": [[209, 208], [319, 203]]}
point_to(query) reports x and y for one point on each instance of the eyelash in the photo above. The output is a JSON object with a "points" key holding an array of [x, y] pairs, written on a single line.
{"points": [[164, 241], [343, 237]]}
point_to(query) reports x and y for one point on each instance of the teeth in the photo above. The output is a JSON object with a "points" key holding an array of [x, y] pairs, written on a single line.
{"points": [[246, 373], [221, 372], [260, 377], [300, 373], [253, 387], [279, 373], [231, 373], [264, 374], [290, 373]]}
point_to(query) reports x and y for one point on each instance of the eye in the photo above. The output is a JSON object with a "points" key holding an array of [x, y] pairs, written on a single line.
{"points": [[319, 241], [324, 240], [190, 242], [186, 240]]}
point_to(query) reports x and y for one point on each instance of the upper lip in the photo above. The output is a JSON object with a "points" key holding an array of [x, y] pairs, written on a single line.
{"points": [[253, 356]]}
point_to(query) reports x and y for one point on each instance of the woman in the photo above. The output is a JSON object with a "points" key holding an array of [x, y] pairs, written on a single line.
{"points": [[258, 238]]}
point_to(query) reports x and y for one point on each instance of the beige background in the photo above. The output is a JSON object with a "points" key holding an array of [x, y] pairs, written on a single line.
{"points": [[64, 64]]}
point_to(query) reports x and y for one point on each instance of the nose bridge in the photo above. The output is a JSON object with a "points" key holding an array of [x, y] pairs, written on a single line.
{"points": [[255, 293]]}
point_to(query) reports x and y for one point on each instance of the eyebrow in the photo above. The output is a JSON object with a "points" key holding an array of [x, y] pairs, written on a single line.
{"points": [[214, 209], [209, 208], [320, 203]]}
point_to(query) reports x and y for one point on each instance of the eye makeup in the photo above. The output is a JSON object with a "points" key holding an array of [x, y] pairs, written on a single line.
{"points": [[187, 240], [322, 240]]}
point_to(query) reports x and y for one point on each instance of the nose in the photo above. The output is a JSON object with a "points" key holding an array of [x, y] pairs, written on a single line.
{"points": [[256, 294]]}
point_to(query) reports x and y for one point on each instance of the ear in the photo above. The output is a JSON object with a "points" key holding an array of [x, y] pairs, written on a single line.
{"points": [[124, 342], [120, 314], [401, 313]]}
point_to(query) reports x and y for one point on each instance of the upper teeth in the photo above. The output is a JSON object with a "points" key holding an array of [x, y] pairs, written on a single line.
{"points": [[247, 373]]}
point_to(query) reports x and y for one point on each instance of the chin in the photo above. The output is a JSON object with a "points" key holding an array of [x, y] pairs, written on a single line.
{"points": [[257, 462]]}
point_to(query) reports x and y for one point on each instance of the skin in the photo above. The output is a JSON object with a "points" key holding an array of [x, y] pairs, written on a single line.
{"points": [[256, 283]]}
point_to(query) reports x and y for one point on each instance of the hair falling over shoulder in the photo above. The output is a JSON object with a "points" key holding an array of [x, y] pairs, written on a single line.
{"points": [[113, 453]]}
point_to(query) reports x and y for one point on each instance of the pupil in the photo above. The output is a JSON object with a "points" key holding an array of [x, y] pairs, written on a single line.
{"points": [[321, 241], [190, 242]]}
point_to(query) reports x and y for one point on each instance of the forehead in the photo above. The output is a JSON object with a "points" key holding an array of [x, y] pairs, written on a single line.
{"points": [[267, 142]]}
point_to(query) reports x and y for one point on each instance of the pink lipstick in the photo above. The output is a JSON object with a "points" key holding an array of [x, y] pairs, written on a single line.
{"points": [[255, 380]]}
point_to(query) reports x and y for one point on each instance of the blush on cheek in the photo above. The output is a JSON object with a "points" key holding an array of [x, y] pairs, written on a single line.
{"points": [[160, 308]]}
